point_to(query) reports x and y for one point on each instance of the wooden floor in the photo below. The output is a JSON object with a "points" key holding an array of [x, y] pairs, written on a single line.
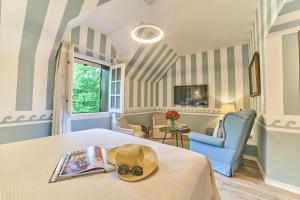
{"points": [[246, 184]]}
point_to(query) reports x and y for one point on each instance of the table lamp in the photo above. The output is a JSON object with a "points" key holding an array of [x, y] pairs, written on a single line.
{"points": [[229, 107]]}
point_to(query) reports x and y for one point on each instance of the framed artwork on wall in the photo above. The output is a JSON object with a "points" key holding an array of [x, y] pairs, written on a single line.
{"points": [[254, 76]]}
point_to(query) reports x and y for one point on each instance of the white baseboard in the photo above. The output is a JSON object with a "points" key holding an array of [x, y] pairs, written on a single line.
{"points": [[247, 157], [271, 182], [284, 186]]}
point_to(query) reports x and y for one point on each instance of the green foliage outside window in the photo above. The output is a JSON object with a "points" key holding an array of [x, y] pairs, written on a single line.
{"points": [[86, 89]]}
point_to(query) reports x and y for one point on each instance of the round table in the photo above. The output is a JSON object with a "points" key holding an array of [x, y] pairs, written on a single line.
{"points": [[180, 131]]}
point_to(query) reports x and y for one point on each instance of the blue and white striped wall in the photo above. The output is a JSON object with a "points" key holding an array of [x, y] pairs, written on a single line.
{"points": [[288, 17], [92, 42], [224, 70], [283, 56], [146, 66], [31, 32], [274, 35], [264, 18]]}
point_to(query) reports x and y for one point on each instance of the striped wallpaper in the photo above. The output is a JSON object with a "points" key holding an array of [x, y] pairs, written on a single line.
{"points": [[264, 18], [224, 70], [146, 66], [92, 42], [288, 17], [282, 44], [279, 126], [31, 32]]}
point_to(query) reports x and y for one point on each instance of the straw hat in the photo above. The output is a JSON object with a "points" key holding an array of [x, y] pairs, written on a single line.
{"points": [[134, 155]]}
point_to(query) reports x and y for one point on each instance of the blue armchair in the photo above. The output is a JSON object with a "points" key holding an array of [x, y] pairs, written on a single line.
{"points": [[225, 154]]}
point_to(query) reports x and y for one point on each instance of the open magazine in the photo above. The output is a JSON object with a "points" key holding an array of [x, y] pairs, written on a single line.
{"points": [[81, 162]]}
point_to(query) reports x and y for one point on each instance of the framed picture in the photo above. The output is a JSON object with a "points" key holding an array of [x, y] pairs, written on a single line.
{"points": [[254, 76]]}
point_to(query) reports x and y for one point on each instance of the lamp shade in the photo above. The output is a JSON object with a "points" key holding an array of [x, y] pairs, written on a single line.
{"points": [[225, 108]]}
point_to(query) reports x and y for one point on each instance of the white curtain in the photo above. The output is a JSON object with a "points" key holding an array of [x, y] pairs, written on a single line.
{"points": [[62, 99]]}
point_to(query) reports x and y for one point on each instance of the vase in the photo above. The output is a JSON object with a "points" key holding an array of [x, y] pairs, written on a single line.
{"points": [[172, 124]]}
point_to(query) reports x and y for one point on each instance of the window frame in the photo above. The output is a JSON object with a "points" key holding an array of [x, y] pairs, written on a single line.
{"points": [[84, 59], [122, 88]]}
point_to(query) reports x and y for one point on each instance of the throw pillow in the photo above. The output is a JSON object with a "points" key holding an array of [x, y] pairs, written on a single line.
{"points": [[160, 119], [218, 132], [122, 122]]}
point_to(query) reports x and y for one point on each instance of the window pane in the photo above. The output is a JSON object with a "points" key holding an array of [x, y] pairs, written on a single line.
{"points": [[119, 74], [118, 85], [117, 102], [112, 103], [113, 88], [86, 89], [113, 74]]}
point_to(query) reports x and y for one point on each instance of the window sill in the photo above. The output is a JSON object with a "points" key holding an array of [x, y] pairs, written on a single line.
{"points": [[82, 116]]}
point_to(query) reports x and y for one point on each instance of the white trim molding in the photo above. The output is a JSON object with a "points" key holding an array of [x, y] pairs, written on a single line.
{"points": [[281, 185], [82, 116], [25, 123]]}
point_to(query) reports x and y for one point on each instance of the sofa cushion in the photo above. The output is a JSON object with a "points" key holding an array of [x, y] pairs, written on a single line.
{"points": [[122, 122], [160, 119], [213, 141]]}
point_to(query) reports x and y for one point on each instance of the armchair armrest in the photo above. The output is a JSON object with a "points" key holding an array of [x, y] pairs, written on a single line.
{"points": [[124, 130], [210, 140], [135, 127]]}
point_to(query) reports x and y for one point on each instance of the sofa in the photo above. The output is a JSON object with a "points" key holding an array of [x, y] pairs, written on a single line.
{"points": [[225, 154]]}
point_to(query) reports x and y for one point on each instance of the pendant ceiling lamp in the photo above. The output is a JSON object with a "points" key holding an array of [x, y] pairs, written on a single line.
{"points": [[154, 32]]}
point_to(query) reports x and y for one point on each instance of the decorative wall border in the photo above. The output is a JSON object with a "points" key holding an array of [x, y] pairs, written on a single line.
{"points": [[279, 123], [189, 110], [9, 121]]}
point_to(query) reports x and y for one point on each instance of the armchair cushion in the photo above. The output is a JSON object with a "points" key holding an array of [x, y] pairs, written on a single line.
{"points": [[210, 140], [122, 122], [159, 126], [135, 127]]}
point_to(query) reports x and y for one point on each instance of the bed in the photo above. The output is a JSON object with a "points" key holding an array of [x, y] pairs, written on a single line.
{"points": [[25, 168]]}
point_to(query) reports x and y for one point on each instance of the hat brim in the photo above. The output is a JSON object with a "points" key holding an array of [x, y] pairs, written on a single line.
{"points": [[150, 162]]}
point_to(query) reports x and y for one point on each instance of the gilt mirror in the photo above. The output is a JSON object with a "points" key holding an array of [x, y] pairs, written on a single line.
{"points": [[254, 75]]}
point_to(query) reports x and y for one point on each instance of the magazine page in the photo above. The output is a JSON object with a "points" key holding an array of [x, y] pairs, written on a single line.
{"points": [[108, 166], [83, 160]]}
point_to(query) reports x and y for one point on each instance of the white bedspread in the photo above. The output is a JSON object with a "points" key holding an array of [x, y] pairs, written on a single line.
{"points": [[25, 168]]}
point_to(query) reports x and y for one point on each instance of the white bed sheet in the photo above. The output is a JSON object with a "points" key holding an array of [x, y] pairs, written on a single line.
{"points": [[25, 168]]}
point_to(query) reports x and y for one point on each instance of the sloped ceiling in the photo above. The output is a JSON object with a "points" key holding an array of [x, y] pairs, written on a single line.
{"points": [[190, 25], [30, 34]]}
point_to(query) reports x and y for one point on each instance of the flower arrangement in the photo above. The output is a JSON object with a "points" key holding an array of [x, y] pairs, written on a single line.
{"points": [[171, 116]]}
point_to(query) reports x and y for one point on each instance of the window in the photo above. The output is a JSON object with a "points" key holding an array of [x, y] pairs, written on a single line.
{"points": [[117, 74], [115, 88], [90, 87]]}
